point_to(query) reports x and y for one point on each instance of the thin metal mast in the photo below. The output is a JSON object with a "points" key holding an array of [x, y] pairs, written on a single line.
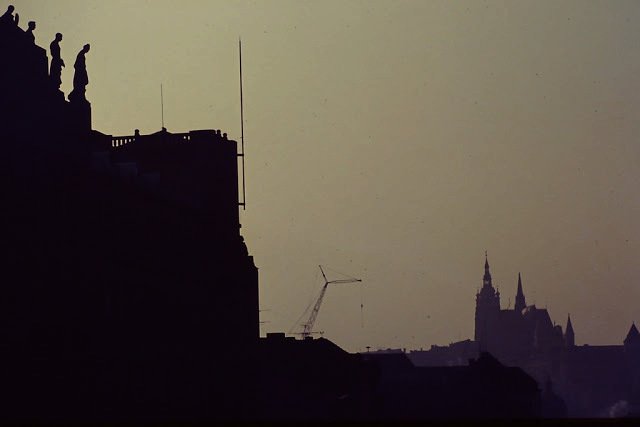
{"points": [[244, 194], [162, 105], [361, 308]]}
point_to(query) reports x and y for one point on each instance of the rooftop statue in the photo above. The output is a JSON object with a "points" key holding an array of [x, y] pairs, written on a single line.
{"points": [[80, 78], [8, 17], [29, 32], [55, 72]]}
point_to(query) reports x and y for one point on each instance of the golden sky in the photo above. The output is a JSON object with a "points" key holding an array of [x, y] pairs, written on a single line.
{"points": [[396, 141]]}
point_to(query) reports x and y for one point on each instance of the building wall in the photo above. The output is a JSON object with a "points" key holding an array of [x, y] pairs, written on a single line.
{"points": [[118, 302]]}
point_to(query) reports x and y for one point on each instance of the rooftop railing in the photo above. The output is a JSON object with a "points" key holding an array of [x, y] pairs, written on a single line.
{"points": [[120, 141]]}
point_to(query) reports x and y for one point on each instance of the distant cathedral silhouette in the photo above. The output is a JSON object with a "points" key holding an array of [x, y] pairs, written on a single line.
{"points": [[591, 379], [517, 332]]}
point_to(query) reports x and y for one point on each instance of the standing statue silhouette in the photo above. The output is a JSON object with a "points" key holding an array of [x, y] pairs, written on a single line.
{"points": [[29, 32], [80, 78], [55, 72]]}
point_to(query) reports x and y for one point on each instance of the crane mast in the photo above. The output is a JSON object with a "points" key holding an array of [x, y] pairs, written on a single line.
{"points": [[308, 326]]}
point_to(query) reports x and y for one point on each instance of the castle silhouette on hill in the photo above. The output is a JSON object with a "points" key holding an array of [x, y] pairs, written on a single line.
{"points": [[129, 292], [592, 380]]}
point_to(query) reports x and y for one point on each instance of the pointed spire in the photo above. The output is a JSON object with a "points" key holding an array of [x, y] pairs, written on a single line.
{"points": [[519, 283], [487, 305], [486, 280], [633, 337], [520, 301], [569, 335]]}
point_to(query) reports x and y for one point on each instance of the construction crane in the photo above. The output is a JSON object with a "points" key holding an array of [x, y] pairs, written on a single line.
{"points": [[308, 326]]}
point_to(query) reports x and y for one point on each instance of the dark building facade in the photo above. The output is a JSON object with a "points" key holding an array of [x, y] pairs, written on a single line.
{"points": [[126, 278], [482, 389]]}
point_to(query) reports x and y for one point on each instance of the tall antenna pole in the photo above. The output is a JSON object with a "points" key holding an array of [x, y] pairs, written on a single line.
{"points": [[361, 308], [244, 194], [162, 105]]}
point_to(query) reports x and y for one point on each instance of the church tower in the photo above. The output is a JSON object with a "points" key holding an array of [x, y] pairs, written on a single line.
{"points": [[569, 336], [487, 307], [520, 302]]}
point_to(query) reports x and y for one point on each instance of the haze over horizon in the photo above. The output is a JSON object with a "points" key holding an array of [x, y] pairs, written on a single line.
{"points": [[396, 142]]}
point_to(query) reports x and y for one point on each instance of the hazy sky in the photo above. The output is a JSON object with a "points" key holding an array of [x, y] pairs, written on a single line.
{"points": [[396, 141]]}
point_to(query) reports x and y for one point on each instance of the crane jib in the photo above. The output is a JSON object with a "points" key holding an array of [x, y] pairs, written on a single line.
{"points": [[308, 326]]}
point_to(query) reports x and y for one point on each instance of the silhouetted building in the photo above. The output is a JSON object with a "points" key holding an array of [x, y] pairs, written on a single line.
{"points": [[127, 281], [591, 380], [313, 379], [552, 405], [482, 389], [514, 333], [455, 354]]}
